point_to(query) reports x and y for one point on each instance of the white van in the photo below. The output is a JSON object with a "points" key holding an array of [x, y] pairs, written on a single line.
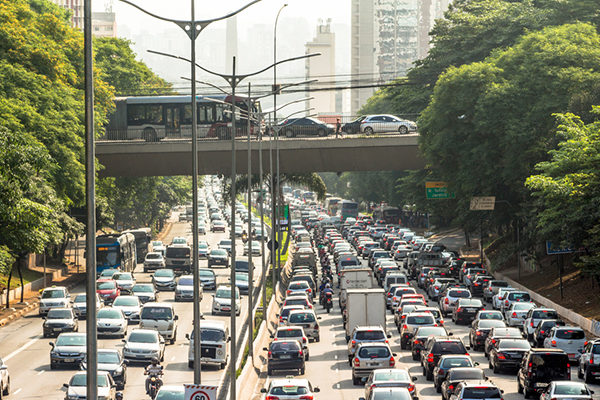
{"points": [[394, 278], [214, 346], [160, 317]]}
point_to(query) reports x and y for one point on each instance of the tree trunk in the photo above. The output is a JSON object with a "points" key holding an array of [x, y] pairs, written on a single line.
{"points": [[8, 287], [467, 239], [20, 262]]}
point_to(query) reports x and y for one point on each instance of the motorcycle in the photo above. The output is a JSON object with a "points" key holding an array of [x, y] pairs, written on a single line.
{"points": [[328, 302], [154, 384]]}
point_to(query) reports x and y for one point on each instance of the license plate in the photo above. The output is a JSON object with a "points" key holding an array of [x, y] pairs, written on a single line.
{"points": [[226, 308], [57, 329], [571, 355], [69, 360], [373, 364], [470, 309], [541, 384], [285, 356]]}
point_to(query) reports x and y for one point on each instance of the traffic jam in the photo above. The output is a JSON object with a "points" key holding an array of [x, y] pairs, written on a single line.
{"points": [[418, 321]]}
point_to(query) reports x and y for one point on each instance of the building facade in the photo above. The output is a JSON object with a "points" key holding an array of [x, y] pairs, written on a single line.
{"points": [[76, 6], [104, 24], [322, 68]]}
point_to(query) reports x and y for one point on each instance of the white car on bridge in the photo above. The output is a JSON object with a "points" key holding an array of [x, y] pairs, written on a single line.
{"points": [[386, 123]]}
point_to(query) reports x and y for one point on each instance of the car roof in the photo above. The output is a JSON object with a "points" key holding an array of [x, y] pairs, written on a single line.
{"points": [[290, 381], [479, 384], [158, 304]]}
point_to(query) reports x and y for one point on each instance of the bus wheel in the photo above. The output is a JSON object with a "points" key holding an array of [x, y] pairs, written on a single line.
{"points": [[149, 135]]}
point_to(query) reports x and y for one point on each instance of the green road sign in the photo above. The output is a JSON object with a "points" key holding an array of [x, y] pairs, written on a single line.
{"points": [[438, 190]]}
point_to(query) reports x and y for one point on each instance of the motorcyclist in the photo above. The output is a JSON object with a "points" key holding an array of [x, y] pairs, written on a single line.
{"points": [[324, 292], [153, 369]]}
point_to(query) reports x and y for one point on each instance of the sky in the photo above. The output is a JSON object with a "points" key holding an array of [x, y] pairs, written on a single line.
{"points": [[297, 25]]}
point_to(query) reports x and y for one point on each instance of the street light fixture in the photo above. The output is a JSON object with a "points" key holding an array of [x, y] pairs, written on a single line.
{"points": [[193, 28]]}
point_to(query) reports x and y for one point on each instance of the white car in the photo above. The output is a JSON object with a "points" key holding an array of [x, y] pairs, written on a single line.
{"points": [[222, 301], [111, 322], [125, 281], [79, 305], [290, 389], [185, 288], [77, 389], [4, 379], [498, 298], [386, 123], [159, 247], [143, 345], [130, 305], [255, 248], [54, 297], [517, 312], [154, 261]]}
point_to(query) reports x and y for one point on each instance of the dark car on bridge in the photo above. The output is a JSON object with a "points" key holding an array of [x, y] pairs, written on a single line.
{"points": [[353, 127], [305, 126]]}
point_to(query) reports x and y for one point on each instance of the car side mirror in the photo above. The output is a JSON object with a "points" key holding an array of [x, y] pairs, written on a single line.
{"points": [[591, 391], [66, 385], [476, 364], [361, 398], [271, 336], [394, 354], [176, 317], [318, 318], [265, 349], [389, 335], [123, 340], [126, 362], [501, 391], [277, 315], [187, 336], [51, 344], [468, 347], [414, 378], [263, 390], [450, 334], [229, 338]]}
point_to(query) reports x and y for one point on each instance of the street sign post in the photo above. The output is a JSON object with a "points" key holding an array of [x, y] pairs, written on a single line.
{"points": [[551, 250], [483, 203], [200, 392], [438, 190]]}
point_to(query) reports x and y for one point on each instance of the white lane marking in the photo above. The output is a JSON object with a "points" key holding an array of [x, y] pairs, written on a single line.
{"points": [[41, 372], [20, 349], [17, 391]]}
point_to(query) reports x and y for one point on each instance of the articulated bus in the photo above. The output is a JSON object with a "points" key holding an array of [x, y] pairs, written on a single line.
{"points": [[116, 251], [152, 118], [391, 215], [347, 209], [142, 241]]}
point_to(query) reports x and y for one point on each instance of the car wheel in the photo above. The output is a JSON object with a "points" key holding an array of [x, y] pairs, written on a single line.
{"points": [[368, 130], [496, 369], [306, 358], [403, 130], [519, 387], [429, 376], [579, 373], [587, 377], [527, 393], [302, 370], [269, 371], [438, 388], [355, 380], [52, 366], [6, 390], [222, 365], [415, 357], [321, 132]]}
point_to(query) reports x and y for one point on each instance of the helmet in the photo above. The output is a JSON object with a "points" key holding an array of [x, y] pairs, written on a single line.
{"points": [[327, 286], [154, 361]]}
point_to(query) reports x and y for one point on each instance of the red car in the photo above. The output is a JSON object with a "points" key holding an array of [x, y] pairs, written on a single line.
{"points": [[107, 289]]}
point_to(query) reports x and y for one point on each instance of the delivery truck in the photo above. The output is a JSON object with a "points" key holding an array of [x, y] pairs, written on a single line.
{"points": [[355, 278], [364, 307]]}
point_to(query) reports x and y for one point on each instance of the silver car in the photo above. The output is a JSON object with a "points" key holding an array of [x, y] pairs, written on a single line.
{"points": [[368, 357], [308, 320], [53, 297], [143, 345], [386, 123], [4, 379], [449, 301], [517, 313], [570, 339], [79, 305], [566, 390]]}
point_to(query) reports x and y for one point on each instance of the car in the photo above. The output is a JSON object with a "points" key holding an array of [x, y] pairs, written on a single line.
{"points": [[298, 301], [242, 282], [160, 317], [491, 288], [146, 292], [517, 312], [178, 240], [543, 329], [154, 260], [308, 320], [489, 314], [410, 324], [107, 273], [225, 244], [107, 289], [164, 279], [203, 249], [480, 328], [540, 367], [471, 390], [4, 379], [499, 297], [170, 392], [111, 361], [111, 322], [201, 228], [217, 226], [214, 342], [534, 317], [390, 378], [589, 362], [142, 345], [449, 299], [497, 334], [465, 310], [158, 246], [435, 348], [302, 126], [53, 297], [208, 279], [218, 257], [299, 286], [285, 355], [507, 353], [368, 357], [255, 247], [394, 393], [130, 305], [457, 375], [284, 313], [448, 362], [77, 386], [566, 390], [417, 342], [293, 332], [185, 288], [386, 123], [68, 349], [514, 297], [222, 301], [478, 284], [470, 275], [79, 305], [293, 389], [59, 320], [571, 339], [353, 126]]}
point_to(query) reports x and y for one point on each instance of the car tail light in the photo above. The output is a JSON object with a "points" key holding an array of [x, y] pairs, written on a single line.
{"points": [[478, 333], [404, 326], [356, 362], [269, 397], [514, 315], [288, 291], [446, 301], [501, 356], [450, 387], [307, 397], [542, 332], [300, 353], [459, 309], [411, 388], [416, 341], [506, 302], [316, 326], [430, 358], [303, 340], [475, 284], [353, 343], [270, 354], [392, 362], [436, 287], [309, 290], [493, 341], [553, 343]]}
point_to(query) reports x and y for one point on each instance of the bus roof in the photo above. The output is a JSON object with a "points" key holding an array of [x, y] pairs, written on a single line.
{"points": [[175, 99]]}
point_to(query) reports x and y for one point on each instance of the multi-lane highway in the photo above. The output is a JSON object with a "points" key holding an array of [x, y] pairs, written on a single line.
{"points": [[27, 353]]}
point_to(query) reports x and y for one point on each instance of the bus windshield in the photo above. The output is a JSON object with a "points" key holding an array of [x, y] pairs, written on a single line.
{"points": [[107, 255]]}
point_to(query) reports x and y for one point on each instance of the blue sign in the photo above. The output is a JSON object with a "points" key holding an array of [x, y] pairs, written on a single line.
{"points": [[551, 250]]}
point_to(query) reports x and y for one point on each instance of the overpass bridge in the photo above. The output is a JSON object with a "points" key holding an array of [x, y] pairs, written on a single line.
{"points": [[136, 158]]}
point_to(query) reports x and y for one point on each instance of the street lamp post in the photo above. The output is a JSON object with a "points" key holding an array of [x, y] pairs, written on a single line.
{"points": [[193, 28], [250, 265]]}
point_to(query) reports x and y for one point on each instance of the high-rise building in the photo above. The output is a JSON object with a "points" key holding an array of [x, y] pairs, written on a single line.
{"points": [[76, 6], [362, 52], [322, 68], [104, 24]]}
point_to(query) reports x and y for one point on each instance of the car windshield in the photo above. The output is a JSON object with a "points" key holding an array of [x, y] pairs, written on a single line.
{"points": [[157, 313], [70, 340], [519, 296], [301, 318], [53, 294], [164, 273], [514, 344], [570, 334], [464, 374], [226, 293], [80, 298], [596, 349], [59, 314], [456, 362], [289, 332], [106, 285], [202, 246], [522, 306], [241, 277], [459, 293], [420, 320], [153, 256], [481, 393], [108, 357], [288, 390], [218, 252], [126, 301], [491, 323], [374, 352], [296, 302], [184, 281], [491, 315], [143, 337], [544, 314], [572, 388], [109, 313], [212, 335], [299, 285], [469, 303], [81, 379], [170, 394], [285, 346], [391, 375], [426, 331], [206, 273], [449, 348], [142, 289], [225, 243]]}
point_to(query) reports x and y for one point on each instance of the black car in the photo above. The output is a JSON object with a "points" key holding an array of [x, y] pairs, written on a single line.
{"points": [[457, 375], [477, 285], [446, 363], [507, 353], [543, 329], [292, 127], [59, 320], [111, 361], [285, 355], [480, 328], [218, 257], [465, 310], [540, 367], [500, 333], [353, 126], [435, 347]]}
